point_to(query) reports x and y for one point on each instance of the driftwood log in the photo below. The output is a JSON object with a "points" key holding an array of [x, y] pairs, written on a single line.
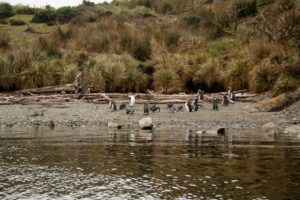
{"points": [[66, 93]]}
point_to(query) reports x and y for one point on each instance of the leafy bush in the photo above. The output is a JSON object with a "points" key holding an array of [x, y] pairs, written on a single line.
{"points": [[243, 8], [6, 10], [88, 3], [25, 10], [44, 16], [65, 14], [285, 84]]}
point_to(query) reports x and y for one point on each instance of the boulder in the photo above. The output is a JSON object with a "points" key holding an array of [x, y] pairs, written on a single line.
{"points": [[114, 125], [146, 123], [270, 125]]}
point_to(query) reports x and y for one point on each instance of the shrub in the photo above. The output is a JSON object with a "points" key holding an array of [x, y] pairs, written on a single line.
{"points": [[264, 76], [192, 20], [236, 75], [65, 14], [44, 16], [210, 74], [260, 50], [24, 10], [284, 84], [167, 80], [6, 10], [243, 8], [141, 49], [88, 3]]}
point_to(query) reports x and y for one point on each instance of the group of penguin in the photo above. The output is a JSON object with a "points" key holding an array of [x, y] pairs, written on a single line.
{"points": [[189, 106]]}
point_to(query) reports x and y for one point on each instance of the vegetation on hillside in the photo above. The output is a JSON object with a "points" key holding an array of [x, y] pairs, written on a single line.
{"points": [[169, 45]]}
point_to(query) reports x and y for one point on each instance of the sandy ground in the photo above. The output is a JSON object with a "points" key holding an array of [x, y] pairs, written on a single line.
{"points": [[82, 114]]}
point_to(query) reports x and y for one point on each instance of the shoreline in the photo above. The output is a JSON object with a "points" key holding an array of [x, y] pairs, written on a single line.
{"points": [[78, 113]]}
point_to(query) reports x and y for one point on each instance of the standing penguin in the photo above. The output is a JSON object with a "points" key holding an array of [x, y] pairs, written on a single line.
{"points": [[188, 106], [215, 104], [131, 100], [146, 109], [231, 95], [200, 95], [112, 106], [225, 100]]}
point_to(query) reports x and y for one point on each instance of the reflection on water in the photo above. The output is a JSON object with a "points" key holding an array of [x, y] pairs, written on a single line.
{"points": [[60, 164]]}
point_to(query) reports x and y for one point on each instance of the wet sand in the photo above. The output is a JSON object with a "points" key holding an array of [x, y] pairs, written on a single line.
{"points": [[82, 114]]}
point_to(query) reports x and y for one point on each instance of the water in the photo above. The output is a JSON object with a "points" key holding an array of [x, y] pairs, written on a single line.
{"points": [[131, 164]]}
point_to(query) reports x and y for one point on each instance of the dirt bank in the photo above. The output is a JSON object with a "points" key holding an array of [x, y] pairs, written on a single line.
{"points": [[79, 114]]}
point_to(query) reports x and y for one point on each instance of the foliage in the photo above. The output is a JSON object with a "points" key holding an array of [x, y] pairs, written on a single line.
{"points": [[6, 10]]}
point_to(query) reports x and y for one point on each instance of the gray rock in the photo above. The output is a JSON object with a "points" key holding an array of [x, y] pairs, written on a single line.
{"points": [[270, 125], [146, 123], [114, 125]]}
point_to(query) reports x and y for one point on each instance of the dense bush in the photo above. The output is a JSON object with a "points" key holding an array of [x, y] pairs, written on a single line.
{"points": [[44, 16], [243, 8], [25, 10], [65, 14], [6, 10], [62, 15]]}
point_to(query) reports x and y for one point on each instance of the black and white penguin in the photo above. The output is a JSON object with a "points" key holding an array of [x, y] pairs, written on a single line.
{"points": [[155, 108], [230, 94], [215, 104], [123, 106], [225, 100], [129, 112], [200, 95], [169, 105], [112, 106], [188, 106], [146, 109], [131, 100]]}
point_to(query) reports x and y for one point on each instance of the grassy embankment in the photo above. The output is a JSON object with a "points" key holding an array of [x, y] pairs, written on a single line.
{"points": [[144, 44]]}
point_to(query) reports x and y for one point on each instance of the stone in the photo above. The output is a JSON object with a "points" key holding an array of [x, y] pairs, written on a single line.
{"points": [[114, 125], [270, 125], [146, 123], [293, 129]]}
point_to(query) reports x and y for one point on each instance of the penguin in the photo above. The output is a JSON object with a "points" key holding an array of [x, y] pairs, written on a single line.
{"points": [[231, 95], [131, 100], [169, 105], [146, 109], [215, 104], [129, 112], [200, 95], [155, 108], [188, 106], [225, 100], [196, 107], [179, 108], [112, 106], [172, 110], [123, 106]]}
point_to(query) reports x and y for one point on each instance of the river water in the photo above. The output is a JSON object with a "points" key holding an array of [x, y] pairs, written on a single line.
{"points": [[133, 164]]}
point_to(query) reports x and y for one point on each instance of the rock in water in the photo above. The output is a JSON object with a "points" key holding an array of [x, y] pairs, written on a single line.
{"points": [[114, 125], [146, 123]]}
